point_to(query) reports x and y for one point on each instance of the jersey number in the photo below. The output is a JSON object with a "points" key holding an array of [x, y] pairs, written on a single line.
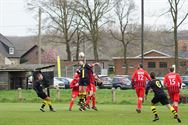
{"points": [[172, 81], [158, 84], [141, 77]]}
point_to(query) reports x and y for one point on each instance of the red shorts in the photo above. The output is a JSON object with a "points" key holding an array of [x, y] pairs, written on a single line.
{"points": [[140, 91], [75, 94], [91, 87], [175, 97]]}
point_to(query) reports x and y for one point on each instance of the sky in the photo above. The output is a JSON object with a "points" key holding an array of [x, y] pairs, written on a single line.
{"points": [[16, 20]]}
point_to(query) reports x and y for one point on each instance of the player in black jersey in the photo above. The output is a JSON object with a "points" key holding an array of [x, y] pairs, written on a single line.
{"points": [[159, 96], [39, 90]]}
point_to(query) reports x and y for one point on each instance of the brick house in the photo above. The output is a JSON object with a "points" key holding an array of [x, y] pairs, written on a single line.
{"points": [[154, 60]]}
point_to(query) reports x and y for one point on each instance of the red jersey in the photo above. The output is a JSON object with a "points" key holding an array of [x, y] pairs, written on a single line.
{"points": [[91, 77], [173, 82], [139, 78], [74, 82]]}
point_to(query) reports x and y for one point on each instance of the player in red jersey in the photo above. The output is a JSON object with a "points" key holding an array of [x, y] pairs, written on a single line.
{"points": [[139, 82], [91, 89], [173, 83], [75, 89]]}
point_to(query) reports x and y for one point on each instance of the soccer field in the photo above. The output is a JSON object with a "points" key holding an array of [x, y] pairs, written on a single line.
{"points": [[29, 114]]}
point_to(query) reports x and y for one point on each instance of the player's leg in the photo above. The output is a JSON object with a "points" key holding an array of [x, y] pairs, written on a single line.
{"points": [[43, 96], [94, 102], [176, 99], [88, 98], [73, 97], [44, 103], [48, 100], [154, 101], [94, 99], [140, 94], [173, 112]]}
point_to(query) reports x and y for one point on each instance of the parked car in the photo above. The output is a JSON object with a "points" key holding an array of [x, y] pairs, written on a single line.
{"points": [[58, 82], [106, 82], [185, 79], [67, 82], [122, 82], [30, 82]]}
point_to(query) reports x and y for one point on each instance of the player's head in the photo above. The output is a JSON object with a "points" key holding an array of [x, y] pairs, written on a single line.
{"points": [[39, 76], [140, 66], [171, 69], [81, 63], [152, 75]]}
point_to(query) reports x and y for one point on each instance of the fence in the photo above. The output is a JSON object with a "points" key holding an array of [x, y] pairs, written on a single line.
{"points": [[68, 71], [58, 98]]}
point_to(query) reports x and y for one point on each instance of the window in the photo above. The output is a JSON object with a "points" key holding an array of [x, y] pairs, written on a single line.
{"points": [[183, 64], [11, 50], [151, 65], [163, 64]]}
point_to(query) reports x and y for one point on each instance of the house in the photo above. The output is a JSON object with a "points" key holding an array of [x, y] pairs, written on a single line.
{"points": [[154, 60], [16, 76], [8, 53]]}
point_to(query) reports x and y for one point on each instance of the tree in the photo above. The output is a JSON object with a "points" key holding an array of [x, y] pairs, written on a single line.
{"points": [[175, 6], [123, 9], [60, 17], [92, 14]]}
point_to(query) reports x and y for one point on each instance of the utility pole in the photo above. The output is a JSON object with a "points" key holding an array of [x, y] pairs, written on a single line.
{"points": [[142, 32], [39, 37]]}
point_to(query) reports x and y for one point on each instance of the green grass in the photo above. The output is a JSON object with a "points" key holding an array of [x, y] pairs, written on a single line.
{"points": [[29, 114], [103, 96]]}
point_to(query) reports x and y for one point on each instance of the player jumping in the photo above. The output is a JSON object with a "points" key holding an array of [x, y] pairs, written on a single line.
{"points": [[139, 82], [159, 96], [83, 82]]}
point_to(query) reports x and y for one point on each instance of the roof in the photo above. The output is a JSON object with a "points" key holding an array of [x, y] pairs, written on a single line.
{"points": [[35, 46], [25, 67], [163, 55], [5, 41], [155, 51], [5, 44]]}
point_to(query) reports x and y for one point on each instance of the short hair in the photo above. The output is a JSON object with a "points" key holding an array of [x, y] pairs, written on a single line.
{"points": [[140, 65], [171, 69], [152, 75]]}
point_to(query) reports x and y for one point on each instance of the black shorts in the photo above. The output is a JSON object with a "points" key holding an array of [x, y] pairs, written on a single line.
{"points": [[83, 82], [42, 95], [160, 98]]}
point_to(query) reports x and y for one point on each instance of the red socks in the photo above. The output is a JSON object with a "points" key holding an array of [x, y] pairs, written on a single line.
{"points": [[175, 108], [71, 104], [88, 100], [93, 101], [139, 104]]}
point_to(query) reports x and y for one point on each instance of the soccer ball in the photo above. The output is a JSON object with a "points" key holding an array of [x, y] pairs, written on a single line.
{"points": [[81, 55]]}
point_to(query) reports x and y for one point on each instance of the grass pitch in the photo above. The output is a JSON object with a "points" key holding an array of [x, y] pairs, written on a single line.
{"points": [[29, 114]]}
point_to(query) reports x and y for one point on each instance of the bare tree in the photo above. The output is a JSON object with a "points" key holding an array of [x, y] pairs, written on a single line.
{"points": [[60, 17], [175, 7], [123, 9], [92, 12]]}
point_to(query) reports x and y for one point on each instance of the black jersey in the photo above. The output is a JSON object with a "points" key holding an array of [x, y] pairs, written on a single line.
{"points": [[38, 87], [156, 86], [84, 70]]}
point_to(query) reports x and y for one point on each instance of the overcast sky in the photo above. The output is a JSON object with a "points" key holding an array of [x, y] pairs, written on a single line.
{"points": [[15, 20]]}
